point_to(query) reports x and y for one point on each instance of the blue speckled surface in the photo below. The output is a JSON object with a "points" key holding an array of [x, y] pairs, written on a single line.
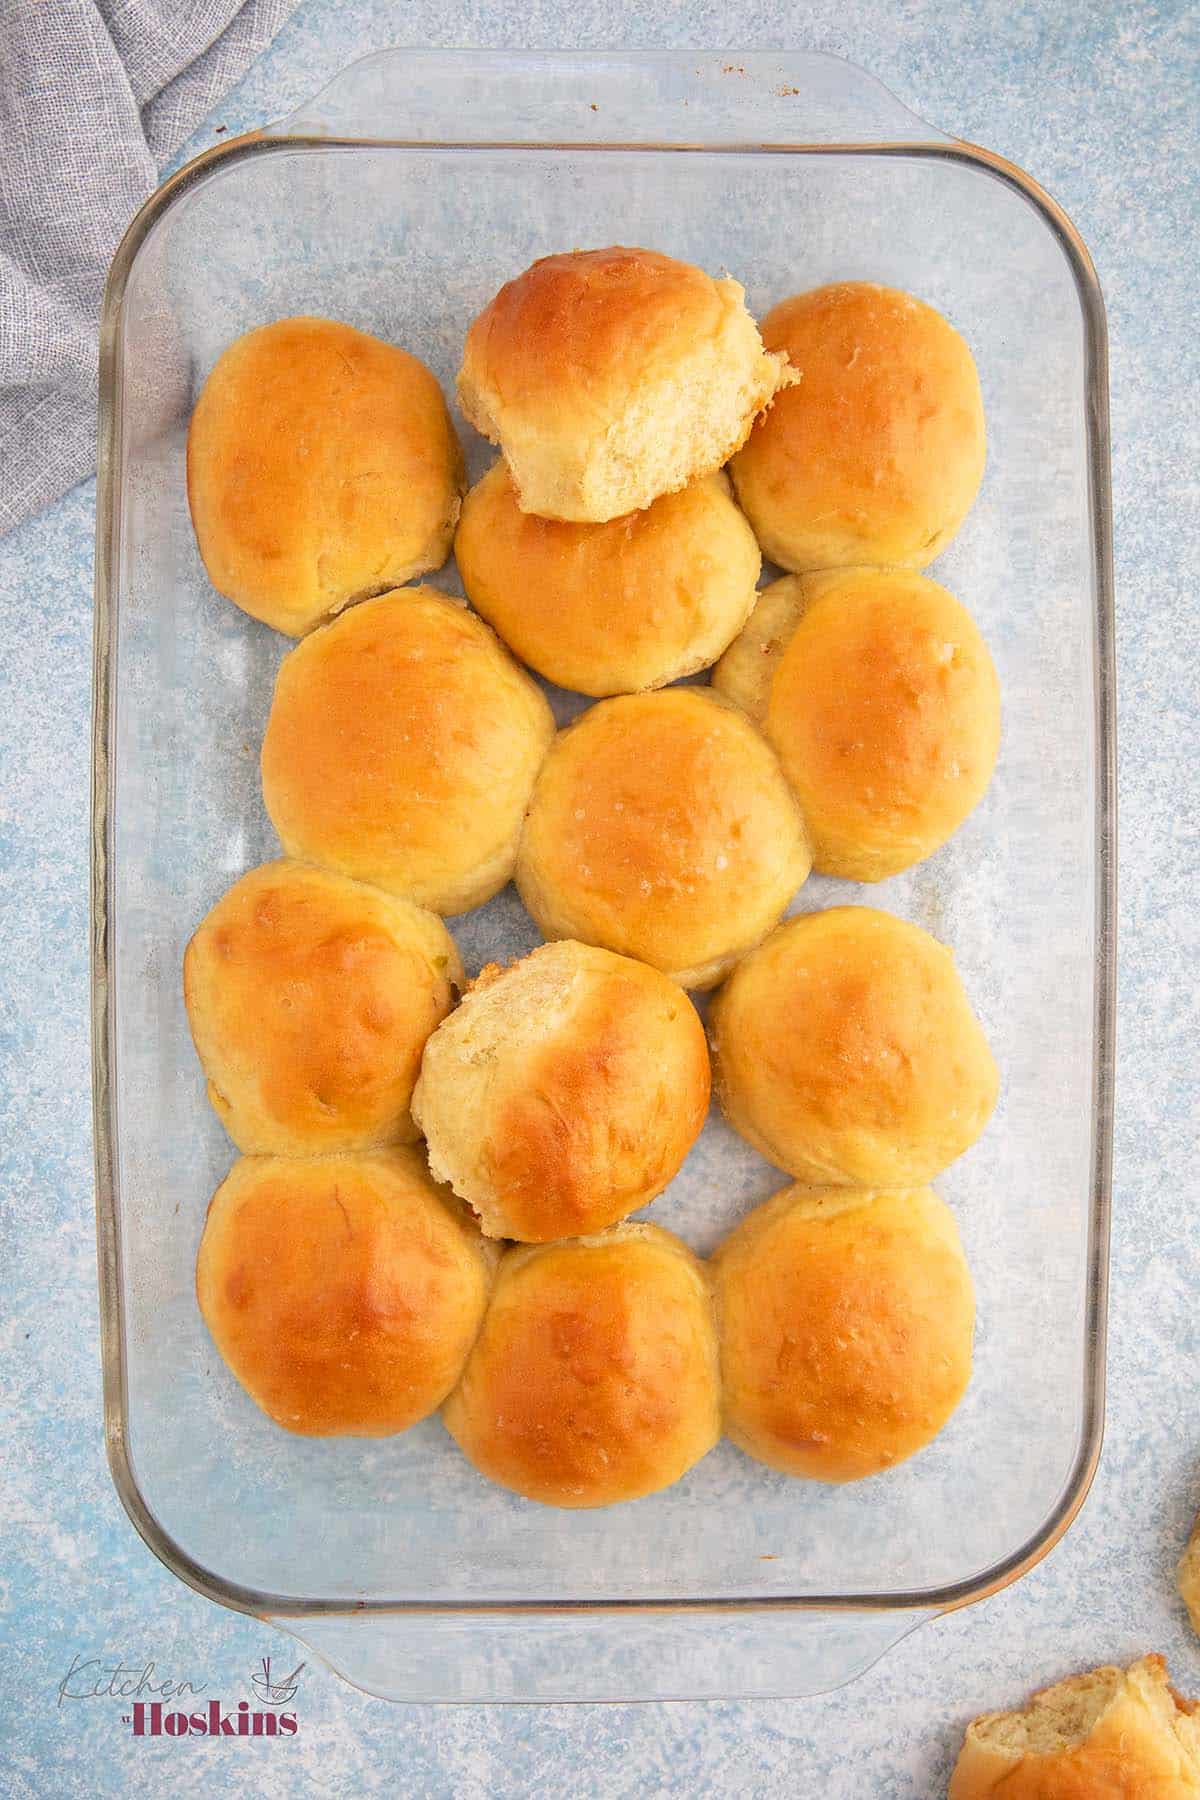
{"points": [[1099, 104]]}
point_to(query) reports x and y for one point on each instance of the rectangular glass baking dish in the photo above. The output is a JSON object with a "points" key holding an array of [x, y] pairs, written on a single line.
{"points": [[399, 200]]}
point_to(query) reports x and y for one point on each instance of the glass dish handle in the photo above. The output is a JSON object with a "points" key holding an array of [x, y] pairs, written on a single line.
{"points": [[670, 97], [583, 1654]]}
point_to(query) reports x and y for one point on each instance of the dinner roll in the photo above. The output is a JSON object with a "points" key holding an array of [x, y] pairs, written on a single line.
{"points": [[1113, 1734], [614, 608], [847, 1319], [662, 827], [882, 703], [609, 377], [321, 466], [402, 747], [594, 1378], [564, 1092], [877, 452], [343, 1292], [845, 1049], [310, 998], [1189, 1576]]}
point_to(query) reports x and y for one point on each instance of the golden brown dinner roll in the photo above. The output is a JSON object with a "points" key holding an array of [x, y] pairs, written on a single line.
{"points": [[594, 1378], [321, 466], [1113, 1734], [609, 377], [1189, 1576], [402, 747], [344, 1292], [564, 1092], [613, 608], [881, 701], [846, 1319], [845, 1049], [662, 827], [310, 998], [877, 451]]}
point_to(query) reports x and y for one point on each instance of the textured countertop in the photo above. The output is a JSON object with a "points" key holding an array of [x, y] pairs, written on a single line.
{"points": [[1099, 103]]}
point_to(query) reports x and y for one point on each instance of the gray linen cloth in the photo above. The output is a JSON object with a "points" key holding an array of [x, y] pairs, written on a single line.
{"points": [[95, 97]]}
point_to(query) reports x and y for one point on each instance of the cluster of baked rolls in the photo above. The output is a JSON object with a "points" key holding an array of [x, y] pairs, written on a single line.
{"points": [[433, 1204]]}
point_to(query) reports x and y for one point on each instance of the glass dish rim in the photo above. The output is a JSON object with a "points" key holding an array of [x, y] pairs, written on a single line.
{"points": [[944, 1598]]}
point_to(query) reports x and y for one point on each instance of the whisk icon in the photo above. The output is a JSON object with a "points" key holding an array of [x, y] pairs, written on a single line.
{"points": [[275, 1692]]}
